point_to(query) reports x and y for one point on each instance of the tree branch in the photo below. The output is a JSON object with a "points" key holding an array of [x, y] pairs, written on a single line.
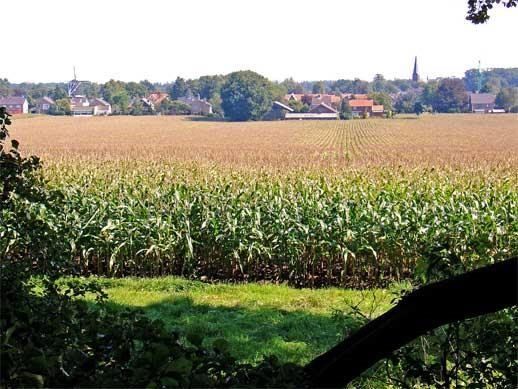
{"points": [[482, 291]]}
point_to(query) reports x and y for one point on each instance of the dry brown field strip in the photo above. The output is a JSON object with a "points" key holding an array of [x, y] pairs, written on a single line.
{"points": [[431, 140]]}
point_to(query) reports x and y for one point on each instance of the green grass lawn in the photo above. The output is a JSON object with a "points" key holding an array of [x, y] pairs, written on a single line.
{"points": [[256, 319]]}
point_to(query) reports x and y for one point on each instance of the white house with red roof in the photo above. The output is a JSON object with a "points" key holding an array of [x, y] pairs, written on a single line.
{"points": [[15, 105]]}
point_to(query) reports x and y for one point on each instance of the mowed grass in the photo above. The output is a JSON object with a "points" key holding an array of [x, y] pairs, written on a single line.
{"points": [[256, 319]]}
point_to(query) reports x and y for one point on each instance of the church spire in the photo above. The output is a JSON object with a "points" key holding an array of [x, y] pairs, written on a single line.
{"points": [[415, 74]]}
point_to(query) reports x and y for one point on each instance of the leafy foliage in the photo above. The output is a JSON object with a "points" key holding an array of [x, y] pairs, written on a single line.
{"points": [[179, 89], [405, 103], [174, 107], [354, 229], [51, 338], [15, 171], [418, 108], [345, 110], [318, 87], [381, 98], [298, 106], [291, 86], [246, 95], [479, 352], [507, 98], [62, 107], [478, 10], [450, 96]]}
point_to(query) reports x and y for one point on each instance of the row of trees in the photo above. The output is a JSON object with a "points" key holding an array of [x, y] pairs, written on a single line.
{"points": [[493, 81], [449, 95], [443, 95], [485, 81], [208, 87]]}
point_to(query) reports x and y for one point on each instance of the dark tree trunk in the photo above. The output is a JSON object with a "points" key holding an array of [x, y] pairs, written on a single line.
{"points": [[478, 292]]}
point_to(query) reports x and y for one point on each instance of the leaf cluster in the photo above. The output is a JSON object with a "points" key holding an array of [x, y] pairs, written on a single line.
{"points": [[15, 171], [51, 336], [478, 10]]}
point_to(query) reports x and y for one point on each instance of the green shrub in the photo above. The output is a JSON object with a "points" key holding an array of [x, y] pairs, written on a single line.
{"points": [[52, 337]]}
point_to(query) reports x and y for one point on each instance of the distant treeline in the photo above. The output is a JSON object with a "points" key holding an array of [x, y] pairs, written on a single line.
{"points": [[491, 81], [400, 95]]}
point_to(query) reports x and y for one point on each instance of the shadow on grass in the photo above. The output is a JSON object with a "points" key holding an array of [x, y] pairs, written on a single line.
{"points": [[292, 336]]}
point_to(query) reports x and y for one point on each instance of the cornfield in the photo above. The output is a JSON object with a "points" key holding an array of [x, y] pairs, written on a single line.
{"points": [[355, 203]]}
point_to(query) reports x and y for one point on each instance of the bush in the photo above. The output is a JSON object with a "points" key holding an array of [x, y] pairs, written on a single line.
{"points": [[480, 352], [52, 337], [246, 95], [174, 108], [514, 109], [345, 110]]}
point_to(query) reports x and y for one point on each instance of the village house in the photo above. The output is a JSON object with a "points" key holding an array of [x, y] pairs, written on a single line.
{"points": [[330, 100], [482, 102], [82, 106], [277, 112], [321, 111], [361, 107], [378, 110], [153, 100], [311, 116], [44, 105], [15, 105], [100, 106], [323, 108], [313, 100], [294, 97], [198, 106], [156, 98]]}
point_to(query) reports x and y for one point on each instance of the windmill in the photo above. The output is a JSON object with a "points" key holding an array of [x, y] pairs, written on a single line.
{"points": [[73, 85]]}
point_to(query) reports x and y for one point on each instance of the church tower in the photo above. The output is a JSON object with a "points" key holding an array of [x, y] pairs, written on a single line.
{"points": [[415, 74]]}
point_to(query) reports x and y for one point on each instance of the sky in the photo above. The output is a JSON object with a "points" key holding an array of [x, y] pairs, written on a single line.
{"points": [[158, 40]]}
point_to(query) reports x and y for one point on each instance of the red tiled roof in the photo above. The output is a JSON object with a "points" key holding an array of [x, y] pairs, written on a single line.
{"points": [[361, 103], [46, 100], [482, 98], [326, 106], [157, 97], [336, 99], [98, 102], [295, 96], [12, 100]]}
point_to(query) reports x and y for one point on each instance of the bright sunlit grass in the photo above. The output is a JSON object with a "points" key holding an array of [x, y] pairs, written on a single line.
{"points": [[256, 319]]}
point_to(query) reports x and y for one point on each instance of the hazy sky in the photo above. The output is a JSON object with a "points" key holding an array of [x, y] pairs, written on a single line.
{"points": [[308, 40]]}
